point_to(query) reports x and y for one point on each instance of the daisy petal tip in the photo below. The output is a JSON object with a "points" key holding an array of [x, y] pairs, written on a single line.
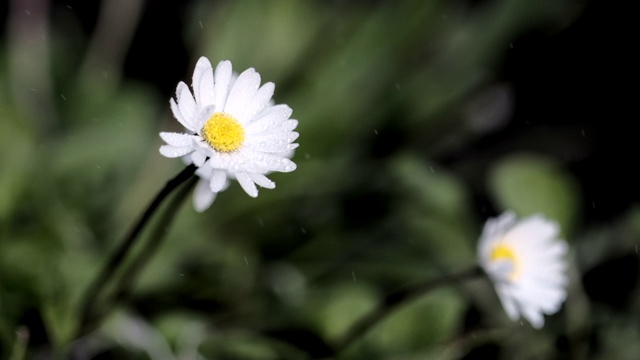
{"points": [[290, 166], [174, 152], [224, 65], [182, 86], [203, 62]]}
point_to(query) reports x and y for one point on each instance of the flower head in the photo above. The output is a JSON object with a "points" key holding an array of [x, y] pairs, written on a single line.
{"points": [[525, 261], [234, 131]]}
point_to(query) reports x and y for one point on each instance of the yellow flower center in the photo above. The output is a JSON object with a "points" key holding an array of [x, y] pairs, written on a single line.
{"points": [[503, 252], [223, 132]]}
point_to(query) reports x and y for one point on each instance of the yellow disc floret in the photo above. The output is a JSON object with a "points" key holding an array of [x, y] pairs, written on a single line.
{"points": [[223, 132], [503, 252]]}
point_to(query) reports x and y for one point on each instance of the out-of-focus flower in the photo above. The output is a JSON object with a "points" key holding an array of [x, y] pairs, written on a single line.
{"points": [[234, 131], [525, 260]]}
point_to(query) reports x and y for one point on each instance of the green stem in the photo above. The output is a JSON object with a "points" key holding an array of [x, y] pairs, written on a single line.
{"points": [[392, 301], [109, 269], [129, 276]]}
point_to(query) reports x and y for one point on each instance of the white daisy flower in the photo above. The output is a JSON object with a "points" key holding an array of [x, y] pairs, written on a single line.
{"points": [[525, 261], [234, 131]]}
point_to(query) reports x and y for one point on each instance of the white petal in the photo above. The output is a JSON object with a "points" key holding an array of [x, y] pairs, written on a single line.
{"points": [[542, 295], [218, 180], [186, 159], [262, 180], [254, 161], [507, 302], [273, 143], [247, 184], [203, 116], [177, 139], [532, 230], [202, 196], [178, 115], [218, 161], [204, 171], [186, 104], [270, 118], [221, 84], [243, 90], [174, 152], [262, 128], [495, 228], [276, 163], [533, 316], [557, 250], [259, 100], [203, 82], [278, 149], [198, 158]]}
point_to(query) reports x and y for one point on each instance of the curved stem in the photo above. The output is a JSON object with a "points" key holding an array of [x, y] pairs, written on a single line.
{"points": [[107, 272], [397, 298], [130, 274]]}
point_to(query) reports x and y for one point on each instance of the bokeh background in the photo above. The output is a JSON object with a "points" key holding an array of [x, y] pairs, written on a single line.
{"points": [[418, 120]]}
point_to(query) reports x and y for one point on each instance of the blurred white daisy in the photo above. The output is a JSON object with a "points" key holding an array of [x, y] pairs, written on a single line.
{"points": [[525, 260], [234, 131]]}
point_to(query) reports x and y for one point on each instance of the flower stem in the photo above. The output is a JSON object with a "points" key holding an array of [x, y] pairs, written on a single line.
{"points": [[130, 274], [109, 269], [392, 301]]}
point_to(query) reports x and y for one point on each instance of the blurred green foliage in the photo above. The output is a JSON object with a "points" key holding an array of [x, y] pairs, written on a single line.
{"points": [[382, 90]]}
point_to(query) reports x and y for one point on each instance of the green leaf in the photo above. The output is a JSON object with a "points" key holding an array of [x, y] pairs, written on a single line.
{"points": [[339, 307], [437, 209], [529, 184], [420, 324]]}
